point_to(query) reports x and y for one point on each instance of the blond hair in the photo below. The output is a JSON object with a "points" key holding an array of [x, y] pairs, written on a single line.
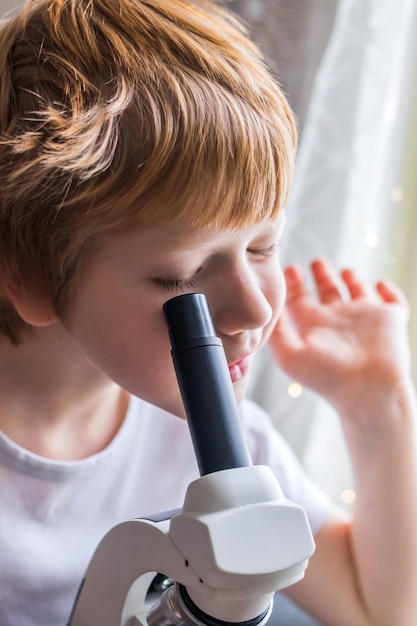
{"points": [[120, 114]]}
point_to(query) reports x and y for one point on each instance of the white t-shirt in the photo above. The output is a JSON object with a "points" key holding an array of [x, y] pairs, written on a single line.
{"points": [[54, 513]]}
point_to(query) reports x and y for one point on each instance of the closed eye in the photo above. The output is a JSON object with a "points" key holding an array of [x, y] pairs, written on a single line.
{"points": [[180, 284], [264, 252]]}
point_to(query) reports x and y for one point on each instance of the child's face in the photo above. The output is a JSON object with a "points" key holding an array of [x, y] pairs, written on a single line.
{"points": [[117, 316]]}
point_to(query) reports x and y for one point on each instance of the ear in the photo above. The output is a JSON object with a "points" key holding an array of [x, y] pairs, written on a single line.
{"points": [[34, 310]]}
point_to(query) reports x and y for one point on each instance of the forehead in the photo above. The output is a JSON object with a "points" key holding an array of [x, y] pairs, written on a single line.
{"points": [[180, 238]]}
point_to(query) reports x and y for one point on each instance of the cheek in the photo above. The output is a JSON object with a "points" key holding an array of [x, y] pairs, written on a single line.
{"points": [[118, 334], [133, 352], [136, 358]]}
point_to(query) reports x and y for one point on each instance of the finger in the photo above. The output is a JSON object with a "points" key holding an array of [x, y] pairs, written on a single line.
{"points": [[353, 284], [299, 303], [296, 289], [390, 293], [326, 284]]}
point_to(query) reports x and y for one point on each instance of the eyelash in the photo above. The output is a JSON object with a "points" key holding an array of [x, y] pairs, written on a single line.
{"points": [[182, 284], [265, 252]]}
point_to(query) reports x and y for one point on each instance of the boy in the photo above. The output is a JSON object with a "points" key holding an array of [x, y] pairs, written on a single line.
{"points": [[146, 151]]}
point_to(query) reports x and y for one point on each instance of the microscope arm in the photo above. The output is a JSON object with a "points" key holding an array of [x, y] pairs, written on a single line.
{"points": [[126, 553]]}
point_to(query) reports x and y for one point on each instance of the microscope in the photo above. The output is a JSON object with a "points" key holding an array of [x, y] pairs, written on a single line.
{"points": [[237, 540]]}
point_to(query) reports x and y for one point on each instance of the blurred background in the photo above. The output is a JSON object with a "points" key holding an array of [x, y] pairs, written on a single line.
{"points": [[349, 68]]}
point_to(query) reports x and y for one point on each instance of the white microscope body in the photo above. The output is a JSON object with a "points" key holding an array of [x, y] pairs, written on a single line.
{"points": [[236, 540]]}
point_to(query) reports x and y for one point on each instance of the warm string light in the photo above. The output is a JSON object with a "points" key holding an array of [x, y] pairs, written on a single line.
{"points": [[348, 496], [397, 195], [295, 390], [371, 238]]}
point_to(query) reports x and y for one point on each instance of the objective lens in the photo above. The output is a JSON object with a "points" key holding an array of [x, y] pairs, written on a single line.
{"points": [[175, 608]]}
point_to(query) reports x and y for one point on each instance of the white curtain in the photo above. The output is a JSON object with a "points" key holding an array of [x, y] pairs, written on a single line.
{"points": [[8, 6], [347, 193]]}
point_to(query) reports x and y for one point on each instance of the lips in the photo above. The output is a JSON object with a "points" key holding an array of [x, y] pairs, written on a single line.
{"points": [[239, 369]]}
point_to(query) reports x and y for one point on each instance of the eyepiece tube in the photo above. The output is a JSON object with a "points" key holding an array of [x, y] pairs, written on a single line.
{"points": [[205, 385]]}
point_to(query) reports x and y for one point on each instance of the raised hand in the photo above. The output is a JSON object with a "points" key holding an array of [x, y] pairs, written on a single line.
{"points": [[344, 342]]}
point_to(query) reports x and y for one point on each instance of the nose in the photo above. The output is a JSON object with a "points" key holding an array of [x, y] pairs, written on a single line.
{"points": [[240, 304]]}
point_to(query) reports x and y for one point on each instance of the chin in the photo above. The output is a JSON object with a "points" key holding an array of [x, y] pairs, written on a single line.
{"points": [[176, 409], [172, 405]]}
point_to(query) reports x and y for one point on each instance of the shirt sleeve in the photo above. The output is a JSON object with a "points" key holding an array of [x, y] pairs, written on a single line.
{"points": [[268, 447]]}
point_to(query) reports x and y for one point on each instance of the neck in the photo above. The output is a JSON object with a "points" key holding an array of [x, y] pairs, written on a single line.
{"points": [[54, 402]]}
